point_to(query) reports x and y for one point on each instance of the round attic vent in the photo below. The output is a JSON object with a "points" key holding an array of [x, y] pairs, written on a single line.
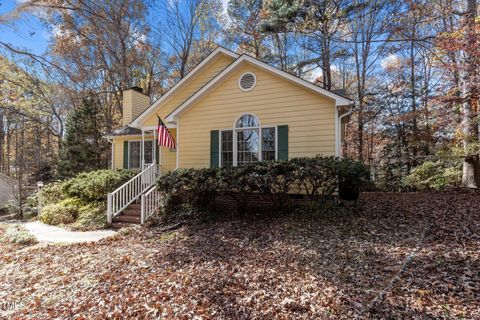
{"points": [[247, 81]]}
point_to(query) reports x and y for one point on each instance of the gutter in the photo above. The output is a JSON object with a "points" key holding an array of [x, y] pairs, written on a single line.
{"points": [[109, 139], [339, 129]]}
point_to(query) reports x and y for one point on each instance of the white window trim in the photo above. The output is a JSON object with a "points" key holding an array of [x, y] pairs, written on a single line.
{"points": [[234, 130], [254, 81], [141, 152]]}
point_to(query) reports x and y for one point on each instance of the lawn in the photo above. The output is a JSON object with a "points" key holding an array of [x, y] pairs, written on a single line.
{"points": [[400, 255]]}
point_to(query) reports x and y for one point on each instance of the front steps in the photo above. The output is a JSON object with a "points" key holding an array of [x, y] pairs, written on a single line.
{"points": [[128, 217]]}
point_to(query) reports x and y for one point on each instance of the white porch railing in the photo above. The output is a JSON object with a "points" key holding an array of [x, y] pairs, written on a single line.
{"points": [[151, 201], [121, 198]]}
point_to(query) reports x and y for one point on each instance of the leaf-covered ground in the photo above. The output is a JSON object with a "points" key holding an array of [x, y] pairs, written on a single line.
{"points": [[410, 255]]}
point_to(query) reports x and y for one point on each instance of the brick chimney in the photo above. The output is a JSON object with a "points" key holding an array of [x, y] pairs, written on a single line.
{"points": [[134, 103]]}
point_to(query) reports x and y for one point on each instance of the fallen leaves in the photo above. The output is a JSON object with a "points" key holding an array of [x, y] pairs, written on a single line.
{"points": [[317, 266]]}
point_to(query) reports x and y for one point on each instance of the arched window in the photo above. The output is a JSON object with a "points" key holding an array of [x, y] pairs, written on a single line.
{"points": [[247, 121], [247, 133], [248, 142]]}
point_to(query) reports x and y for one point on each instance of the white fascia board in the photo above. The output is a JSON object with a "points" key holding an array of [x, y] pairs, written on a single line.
{"points": [[137, 122], [339, 100]]}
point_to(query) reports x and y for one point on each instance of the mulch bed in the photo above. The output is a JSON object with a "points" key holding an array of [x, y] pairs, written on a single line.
{"points": [[398, 255]]}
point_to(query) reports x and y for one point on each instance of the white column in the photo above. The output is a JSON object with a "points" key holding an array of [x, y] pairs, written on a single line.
{"points": [[154, 146], [176, 141], [142, 148]]}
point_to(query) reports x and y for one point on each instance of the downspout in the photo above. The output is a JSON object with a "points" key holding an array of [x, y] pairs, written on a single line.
{"points": [[112, 155], [339, 130]]}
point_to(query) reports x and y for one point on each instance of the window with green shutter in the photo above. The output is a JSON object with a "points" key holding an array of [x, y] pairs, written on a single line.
{"points": [[125, 154], [282, 146], [248, 142], [214, 153]]}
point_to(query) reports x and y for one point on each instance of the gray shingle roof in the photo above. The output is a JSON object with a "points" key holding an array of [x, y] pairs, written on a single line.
{"points": [[125, 131]]}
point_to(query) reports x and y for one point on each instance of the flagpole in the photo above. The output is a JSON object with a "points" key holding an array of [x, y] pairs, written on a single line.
{"points": [[160, 159]]}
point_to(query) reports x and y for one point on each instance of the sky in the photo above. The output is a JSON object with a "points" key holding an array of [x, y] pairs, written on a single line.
{"points": [[26, 32]]}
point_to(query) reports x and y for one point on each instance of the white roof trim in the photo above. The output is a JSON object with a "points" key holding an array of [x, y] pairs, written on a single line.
{"points": [[339, 100], [136, 123]]}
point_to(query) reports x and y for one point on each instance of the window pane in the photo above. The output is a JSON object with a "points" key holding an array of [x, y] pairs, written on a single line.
{"points": [[268, 143], [134, 157], [148, 152], [247, 121], [247, 146], [227, 148]]}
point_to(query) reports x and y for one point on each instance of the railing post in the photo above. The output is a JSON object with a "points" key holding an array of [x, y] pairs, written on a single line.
{"points": [[109, 208], [142, 215]]}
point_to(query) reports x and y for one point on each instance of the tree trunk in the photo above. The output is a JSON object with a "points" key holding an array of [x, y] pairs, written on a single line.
{"points": [[469, 114], [2, 142], [412, 88], [470, 172]]}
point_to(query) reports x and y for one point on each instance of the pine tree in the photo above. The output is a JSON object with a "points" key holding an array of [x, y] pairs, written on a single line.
{"points": [[83, 148]]}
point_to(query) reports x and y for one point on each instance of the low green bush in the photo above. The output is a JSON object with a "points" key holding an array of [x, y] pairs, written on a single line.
{"points": [[432, 175], [91, 217], [314, 177], [64, 212], [17, 234], [52, 193]]}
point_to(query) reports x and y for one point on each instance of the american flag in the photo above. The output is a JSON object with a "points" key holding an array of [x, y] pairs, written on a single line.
{"points": [[165, 138]]}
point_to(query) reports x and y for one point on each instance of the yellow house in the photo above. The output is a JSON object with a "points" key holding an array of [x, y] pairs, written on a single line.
{"points": [[229, 110]]}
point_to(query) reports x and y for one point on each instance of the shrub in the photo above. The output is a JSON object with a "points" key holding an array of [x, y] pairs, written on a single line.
{"points": [[17, 234], [91, 217], [52, 193], [433, 175], [63, 212], [94, 185], [351, 176], [313, 177]]}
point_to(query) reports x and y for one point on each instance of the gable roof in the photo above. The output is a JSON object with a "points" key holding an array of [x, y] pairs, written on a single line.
{"points": [[338, 99], [136, 123]]}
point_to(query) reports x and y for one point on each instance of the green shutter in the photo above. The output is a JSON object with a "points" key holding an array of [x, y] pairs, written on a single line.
{"points": [[157, 152], [282, 144], [125, 154], [214, 149]]}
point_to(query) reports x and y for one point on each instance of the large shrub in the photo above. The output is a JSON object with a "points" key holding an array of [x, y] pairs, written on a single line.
{"points": [[91, 217], [64, 212], [80, 202], [433, 175], [312, 177], [351, 176], [94, 185]]}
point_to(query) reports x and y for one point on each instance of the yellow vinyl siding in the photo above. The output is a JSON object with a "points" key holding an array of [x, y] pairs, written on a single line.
{"points": [[168, 159], [189, 88], [118, 153], [275, 101]]}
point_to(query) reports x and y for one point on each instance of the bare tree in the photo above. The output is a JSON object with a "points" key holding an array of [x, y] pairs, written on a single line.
{"points": [[184, 25]]}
